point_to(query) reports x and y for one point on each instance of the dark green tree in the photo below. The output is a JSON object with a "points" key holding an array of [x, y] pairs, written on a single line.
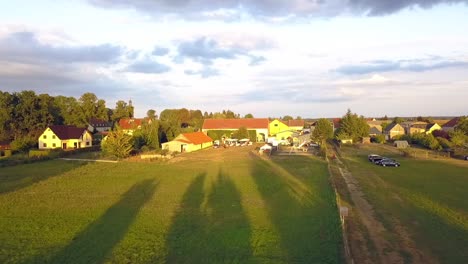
{"points": [[249, 116], [352, 127], [323, 131], [117, 144]]}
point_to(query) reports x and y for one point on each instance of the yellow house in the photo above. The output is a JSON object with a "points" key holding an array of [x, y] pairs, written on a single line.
{"points": [[393, 130], [280, 130], [65, 137], [424, 128], [188, 142]]}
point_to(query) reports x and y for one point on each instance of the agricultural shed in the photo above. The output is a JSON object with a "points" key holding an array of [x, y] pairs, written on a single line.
{"points": [[188, 142], [401, 144]]}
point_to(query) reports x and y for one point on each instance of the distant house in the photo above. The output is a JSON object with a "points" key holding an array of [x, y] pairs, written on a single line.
{"points": [[451, 124], [422, 127], [393, 130], [295, 124], [189, 142], [260, 125], [5, 144], [375, 130], [99, 125], [129, 125], [336, 123], [65, 137]]}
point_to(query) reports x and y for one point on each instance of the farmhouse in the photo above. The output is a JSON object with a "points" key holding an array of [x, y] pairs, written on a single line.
{"points": [[259, 125], [65, 137], [296, 125], [129, 125], [189, 142], [450, 125], [99, 125], [393, 130], [424, 128]]}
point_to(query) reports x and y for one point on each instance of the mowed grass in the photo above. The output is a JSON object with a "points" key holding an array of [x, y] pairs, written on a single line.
{"points": [[428, 197], [231, 208]]}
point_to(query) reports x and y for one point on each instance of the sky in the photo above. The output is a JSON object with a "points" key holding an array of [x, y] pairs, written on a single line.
{"points": [[270, 58]]}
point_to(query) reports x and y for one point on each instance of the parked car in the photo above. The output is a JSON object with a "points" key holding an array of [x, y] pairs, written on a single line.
{"points": [[371, 157], [376, 160], [466, 157], [388, 162]]}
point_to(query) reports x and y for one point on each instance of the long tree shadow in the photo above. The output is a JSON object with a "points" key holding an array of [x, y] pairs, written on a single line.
{"points": [[218, 232], [96, 242], [21, 176], [308, 226]]}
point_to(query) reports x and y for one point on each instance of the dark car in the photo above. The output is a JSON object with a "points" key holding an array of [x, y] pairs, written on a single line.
{"points": [[371, 157], [377, 160], [466, 157], [388, 162]]}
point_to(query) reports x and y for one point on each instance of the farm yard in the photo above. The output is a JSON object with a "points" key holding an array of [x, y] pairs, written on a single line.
{"points": [[210, 206], [421, 206]]}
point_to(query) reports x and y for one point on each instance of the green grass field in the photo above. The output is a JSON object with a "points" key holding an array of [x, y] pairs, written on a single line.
{"points": [[428, 197], [214, 206]]}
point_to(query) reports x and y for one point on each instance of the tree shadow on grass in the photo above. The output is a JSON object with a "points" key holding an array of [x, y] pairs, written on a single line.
{"points": [[218, 232], [96, 242], [307, 224], [18, 177]]}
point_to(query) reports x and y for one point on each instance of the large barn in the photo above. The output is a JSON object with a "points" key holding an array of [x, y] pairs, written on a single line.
{"points": [[259, 125]]}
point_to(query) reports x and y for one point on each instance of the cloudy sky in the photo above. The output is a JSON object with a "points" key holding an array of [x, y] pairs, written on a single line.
{"points": [[309, 58]]}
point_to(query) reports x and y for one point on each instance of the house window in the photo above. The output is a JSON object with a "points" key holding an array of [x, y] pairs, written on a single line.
{"points": [[53, 136], [87, 143], [276, 125], [44, 137], [44, 145], [54, 145]]}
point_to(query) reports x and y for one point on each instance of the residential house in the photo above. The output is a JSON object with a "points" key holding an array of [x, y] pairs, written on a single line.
{"points": [[260, 125], [5, 144], [65, 137], [188, 142], [99, 125], [335, 123], [375, 127], [295, 124], [450, 125], [280, 130], [129, 125], [393, 130], [424, 128]]}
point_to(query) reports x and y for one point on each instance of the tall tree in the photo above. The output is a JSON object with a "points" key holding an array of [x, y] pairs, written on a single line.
{"points": [[248, 116], [323, 131], [151, 114], [398, 120], [122, 110], [352, 126], [287, 118]]}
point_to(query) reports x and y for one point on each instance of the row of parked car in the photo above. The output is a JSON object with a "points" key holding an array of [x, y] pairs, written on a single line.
{"points": [[382, 161]]}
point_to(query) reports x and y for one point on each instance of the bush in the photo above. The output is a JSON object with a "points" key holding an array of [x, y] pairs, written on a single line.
{"points": [[23, 144], [445, 143], [35, 153], [379, 139]]}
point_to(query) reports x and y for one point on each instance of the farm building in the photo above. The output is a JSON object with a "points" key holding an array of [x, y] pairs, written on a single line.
{"points": [[229, 126], [65, 137], [401, 144], [188, 142], [450, 125], [129, 125], [424, 128]]}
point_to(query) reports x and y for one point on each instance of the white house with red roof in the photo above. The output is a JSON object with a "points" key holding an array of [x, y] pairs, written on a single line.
{"points": [[129, 125], [65, 137], [189, 142], [260, 125]]}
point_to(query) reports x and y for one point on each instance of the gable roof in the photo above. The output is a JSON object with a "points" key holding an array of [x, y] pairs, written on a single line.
{"points": [[67, 132], [391, 127], [249, 123], [96, 122], [130, 123], [296, 123], [452, 123], [195, 138], [375, 130]]}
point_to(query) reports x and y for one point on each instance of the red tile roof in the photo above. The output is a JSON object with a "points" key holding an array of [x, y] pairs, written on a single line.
{"points": [[195, 138], [336, 122], [452, 123], [130, 123], [67, 132], [296, 123], [249, 123]]}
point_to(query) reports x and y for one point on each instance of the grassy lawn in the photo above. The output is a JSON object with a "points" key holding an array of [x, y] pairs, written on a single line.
{"points": [[428, 197], [214, 206]]}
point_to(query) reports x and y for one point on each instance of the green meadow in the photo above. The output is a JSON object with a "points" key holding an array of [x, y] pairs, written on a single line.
{"points": [[214, 206], [428, 198]]}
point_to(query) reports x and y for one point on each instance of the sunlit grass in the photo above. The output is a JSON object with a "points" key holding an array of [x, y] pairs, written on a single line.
{"points": [[246, 211]]}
